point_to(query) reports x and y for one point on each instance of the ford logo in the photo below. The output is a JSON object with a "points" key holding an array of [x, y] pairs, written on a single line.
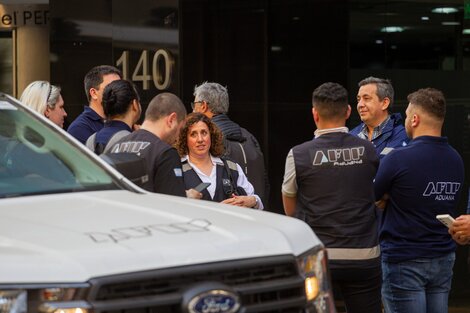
{"points": [[214, 301]]}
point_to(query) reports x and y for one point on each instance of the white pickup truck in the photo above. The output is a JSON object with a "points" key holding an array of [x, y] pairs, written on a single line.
{"points": [[76, 236]]}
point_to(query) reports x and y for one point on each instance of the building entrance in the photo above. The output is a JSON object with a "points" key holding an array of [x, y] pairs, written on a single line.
{"points": [[24, 49]]}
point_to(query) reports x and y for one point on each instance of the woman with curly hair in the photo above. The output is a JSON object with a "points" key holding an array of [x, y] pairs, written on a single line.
{"points": [[201, 147]]}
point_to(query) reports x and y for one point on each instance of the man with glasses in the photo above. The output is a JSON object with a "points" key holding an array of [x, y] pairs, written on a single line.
{"points": [[241, 146]]}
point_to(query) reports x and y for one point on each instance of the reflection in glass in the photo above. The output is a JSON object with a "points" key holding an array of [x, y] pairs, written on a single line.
{"points": [[35, 159]]}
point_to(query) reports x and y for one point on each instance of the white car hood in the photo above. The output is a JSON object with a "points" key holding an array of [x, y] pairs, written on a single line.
{"points": [[75, 237]]}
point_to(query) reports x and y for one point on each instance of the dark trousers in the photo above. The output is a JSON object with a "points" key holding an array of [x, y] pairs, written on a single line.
{"points": [[359, 288]]}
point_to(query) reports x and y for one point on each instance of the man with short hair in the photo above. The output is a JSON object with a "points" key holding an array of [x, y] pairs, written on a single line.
{"points": [[384, 130], [91, 119], [241, 146], [420, 181], [328, 183], [164, 118]]}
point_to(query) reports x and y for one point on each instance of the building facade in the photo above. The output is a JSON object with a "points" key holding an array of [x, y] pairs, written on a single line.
{"points": [[270, 54]]}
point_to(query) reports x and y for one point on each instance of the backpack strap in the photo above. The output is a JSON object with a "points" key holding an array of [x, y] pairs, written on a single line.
{"points": [[230, 144], [114, 139], [244, 158], [90, 142], [98, 148]]}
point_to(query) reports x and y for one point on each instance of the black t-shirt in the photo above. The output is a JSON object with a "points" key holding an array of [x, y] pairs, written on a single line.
{"points": [[162, 160]]}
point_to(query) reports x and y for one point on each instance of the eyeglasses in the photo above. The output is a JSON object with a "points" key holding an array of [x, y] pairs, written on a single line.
{"points": [[193, 104]]}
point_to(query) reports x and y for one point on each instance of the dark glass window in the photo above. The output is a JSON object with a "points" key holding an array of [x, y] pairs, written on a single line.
{"points": [[419, 44], [408, 35]]}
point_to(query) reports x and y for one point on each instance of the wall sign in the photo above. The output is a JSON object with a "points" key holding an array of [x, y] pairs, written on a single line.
{"points": [[153, 68], [12, 16]]}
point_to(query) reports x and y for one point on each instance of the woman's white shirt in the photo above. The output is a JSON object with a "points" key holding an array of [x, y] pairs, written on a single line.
{"points": [[242, 180]]}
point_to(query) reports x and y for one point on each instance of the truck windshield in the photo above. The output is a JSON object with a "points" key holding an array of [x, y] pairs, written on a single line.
{"points": [[36, 158]]}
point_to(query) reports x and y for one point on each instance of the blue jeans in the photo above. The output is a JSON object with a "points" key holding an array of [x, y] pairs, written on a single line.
{"points": [[417, 286]]}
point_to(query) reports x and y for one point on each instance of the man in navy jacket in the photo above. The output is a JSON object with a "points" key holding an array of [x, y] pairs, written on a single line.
{"points": [[384, 130]]}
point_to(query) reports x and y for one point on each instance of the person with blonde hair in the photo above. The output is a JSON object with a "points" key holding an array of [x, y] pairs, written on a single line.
{"points": [[45, 98]]}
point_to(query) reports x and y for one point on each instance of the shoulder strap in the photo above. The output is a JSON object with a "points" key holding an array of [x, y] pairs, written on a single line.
{"points": [[232, 152], [114, 139], [185, 166], [229, 166], [90, 142], [244, 158]]}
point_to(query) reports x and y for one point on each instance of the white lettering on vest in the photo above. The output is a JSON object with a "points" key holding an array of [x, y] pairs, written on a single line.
{"points": [[339, 157], [132, 146]]}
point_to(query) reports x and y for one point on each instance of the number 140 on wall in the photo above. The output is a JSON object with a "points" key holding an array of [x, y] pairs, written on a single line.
{"points": [[160, 72]]}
